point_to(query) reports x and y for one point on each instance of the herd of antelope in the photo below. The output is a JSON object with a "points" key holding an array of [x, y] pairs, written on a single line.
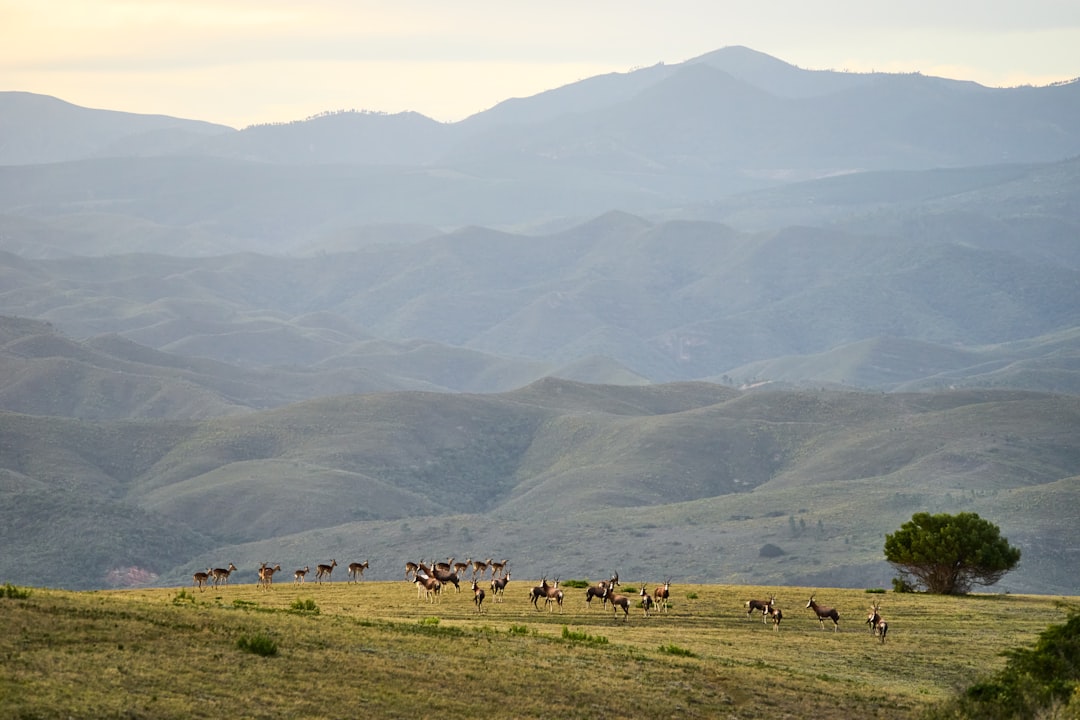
{"points": [[431, 578]]}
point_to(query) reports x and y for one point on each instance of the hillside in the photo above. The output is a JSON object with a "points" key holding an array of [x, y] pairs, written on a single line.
{"points": [[686, 479]]}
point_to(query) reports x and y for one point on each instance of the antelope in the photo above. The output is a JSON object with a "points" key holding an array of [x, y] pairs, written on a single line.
{"points": [[201, 579], [554, 595], [356, 570], [446, 575], [479, 567], [540, 591], [411, 568], [478, 596], [823, 613], [447, 566], [598, 590], [427, 586], [618, 601], [266, 575], [325, 570], [777, 615], [460, 568], [646, 600], [300, 575], [662, 594], [878, 624], [765, 606], [497, 568], [498, 587], [219, 574]]}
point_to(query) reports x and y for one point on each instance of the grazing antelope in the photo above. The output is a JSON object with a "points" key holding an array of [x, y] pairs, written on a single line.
{"points": [[498, 587], [777, 615], [646, 600], [662, 594], [266, 575], [222, 574], [427, 586], [356, 571], [598, 590], [763, 605], [201, 579], [878, 625], [823, 613], [324, 571], [618, 601], [478, 596], [300, 575]]}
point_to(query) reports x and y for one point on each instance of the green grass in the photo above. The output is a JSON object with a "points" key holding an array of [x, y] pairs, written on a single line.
{"points": [[372, 645]]}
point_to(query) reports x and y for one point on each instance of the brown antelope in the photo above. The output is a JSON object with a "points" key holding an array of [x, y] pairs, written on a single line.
{"points": [[479, 567], [446, 575], [497, 568], [763, 605], [266, 575], [662, 594], [300, 575], [460, 568], [324, 571], [427, 586], [447, 566], [777, 615], [540, 591], [478, 596], [498, 587], [222, 574], [618, 601], [823, 613], [356, 571], [599, 590], [411, 568], [878, 625], [646, 600], [201, 579]]}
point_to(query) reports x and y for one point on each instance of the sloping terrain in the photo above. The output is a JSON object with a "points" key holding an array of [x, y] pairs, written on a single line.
{"points": [[686, 479]]}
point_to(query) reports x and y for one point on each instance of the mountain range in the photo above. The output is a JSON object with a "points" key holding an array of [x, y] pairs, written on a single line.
{"points": [[674, 314]]}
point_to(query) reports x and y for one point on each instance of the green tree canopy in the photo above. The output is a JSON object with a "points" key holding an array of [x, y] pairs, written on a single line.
{"points": [[950, 553]]}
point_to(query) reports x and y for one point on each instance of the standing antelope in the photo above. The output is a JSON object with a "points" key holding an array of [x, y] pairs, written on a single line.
{"points": [[662, 594], [201, 579], [540, 591], [823, 613], [878, 624], [222, 574], [777, 615], [598, 590], [411, 568], [427, 586], [478, 596], [461, 567], [266, 575], [765, 606], [497, 568], [300, 575], [479, 567], [324, 570], [445, 575], [498, 587], [618, 601], [356, 571], [646, 600]]}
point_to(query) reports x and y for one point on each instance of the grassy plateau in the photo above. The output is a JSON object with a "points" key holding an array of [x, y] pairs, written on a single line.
{"points": [[375, 649]]}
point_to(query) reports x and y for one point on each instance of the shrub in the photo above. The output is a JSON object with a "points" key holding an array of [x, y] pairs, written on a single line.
{"points": [[258, 645], [769, 550], [583, 637], [875, 591], [575, 583], [676, 650], [901, 585], [518, 630], [306, 607], [14, 593]]}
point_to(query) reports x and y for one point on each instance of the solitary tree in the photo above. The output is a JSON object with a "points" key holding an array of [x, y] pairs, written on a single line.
{"points": [[950, 553]]}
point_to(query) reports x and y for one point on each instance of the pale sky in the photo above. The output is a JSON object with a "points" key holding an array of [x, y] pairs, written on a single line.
{"points": [[241, 62]]}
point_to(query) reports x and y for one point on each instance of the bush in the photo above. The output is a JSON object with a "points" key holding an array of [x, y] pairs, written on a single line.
{"points": [[305, 607], [676, 650], [769, 550], [14, 593], [258, 645], [901, 585]]}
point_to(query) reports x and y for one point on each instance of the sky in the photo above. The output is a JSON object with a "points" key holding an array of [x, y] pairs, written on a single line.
{"points": [[244, 62]]}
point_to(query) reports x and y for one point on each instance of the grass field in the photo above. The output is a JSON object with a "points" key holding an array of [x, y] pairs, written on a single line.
{"points": [[345, 650]]}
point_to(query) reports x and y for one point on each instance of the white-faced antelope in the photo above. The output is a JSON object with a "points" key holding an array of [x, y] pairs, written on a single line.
{"points": [[618, 601], [498, 587], [878, 624], [301, 575], [824, 613], [478, 596], [777, 615], [356, 571], [764, 606], [542, 590], [599, 590], [662, 594], [201, 579], [324, 570], [220, 575], [646, 600], [427, 586]]}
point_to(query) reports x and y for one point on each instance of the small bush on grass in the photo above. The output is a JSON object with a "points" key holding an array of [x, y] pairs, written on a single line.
{"points": [[583, 637], [183, 597], [575, 583], [676, 650], [14, 593], [258, 645], [875, 591], [518, 630], [304, 607]]}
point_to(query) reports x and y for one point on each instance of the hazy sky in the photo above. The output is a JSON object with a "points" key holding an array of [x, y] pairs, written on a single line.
{"points": [[240, 62]]}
